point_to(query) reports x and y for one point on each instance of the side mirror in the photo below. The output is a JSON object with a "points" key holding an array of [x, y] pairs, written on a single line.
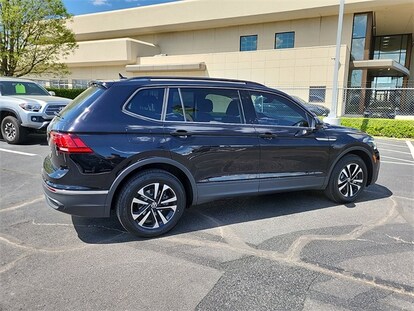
{"points": [[317, 124], [52, 93]]}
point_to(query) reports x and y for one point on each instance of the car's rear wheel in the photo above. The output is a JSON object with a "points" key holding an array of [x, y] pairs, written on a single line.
{"points": [[348, 180], [151, 203], [12, 131]]}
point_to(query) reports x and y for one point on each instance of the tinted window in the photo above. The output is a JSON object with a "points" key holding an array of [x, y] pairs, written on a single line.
{"points": [[80, 103], [211, 105], [174, 106], [147, 103], [273, 109]]}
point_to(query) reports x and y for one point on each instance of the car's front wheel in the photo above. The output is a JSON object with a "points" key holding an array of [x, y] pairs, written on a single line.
{"points": [[12, 131], [348, 179], [151, 203]]}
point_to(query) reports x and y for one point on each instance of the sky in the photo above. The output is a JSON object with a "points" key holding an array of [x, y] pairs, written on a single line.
{"points": [[78, 7]]}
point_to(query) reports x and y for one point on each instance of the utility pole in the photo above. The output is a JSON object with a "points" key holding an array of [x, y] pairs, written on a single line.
{"points": [[332, 118]]}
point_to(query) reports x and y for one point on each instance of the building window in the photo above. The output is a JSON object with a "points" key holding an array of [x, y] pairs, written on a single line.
{"points": [[359, 34], [79, 84], [393, 47], [317, 94], [59, 84], [285, 40], [248, 43]]}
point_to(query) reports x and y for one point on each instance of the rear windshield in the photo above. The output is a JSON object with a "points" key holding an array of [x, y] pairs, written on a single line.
{"points": [[12, 88], [81, 103]]}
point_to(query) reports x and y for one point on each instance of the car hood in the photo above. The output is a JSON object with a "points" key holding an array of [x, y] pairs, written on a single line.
{"points": [[41, 99]]}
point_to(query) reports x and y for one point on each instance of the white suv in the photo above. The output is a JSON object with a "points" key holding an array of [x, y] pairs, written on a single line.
{"points": [[25, 106]]}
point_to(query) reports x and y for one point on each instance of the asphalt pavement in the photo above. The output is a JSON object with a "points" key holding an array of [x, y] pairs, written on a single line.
{"points": [[292, 251]]}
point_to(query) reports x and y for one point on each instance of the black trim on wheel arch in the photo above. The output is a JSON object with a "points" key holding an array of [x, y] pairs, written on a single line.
{"points": [[156, 160], [16, 115], [340, 156]]}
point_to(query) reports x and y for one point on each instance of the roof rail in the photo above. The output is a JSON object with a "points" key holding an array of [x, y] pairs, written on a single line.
{"points": [[200, 79]]}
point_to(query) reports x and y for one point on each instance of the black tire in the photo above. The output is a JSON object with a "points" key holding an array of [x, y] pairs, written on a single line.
{"points": [[12, 131], [348, 179], [155, 198]]}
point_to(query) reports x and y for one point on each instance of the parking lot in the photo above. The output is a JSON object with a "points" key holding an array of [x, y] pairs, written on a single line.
{"points": [[292, 251]]}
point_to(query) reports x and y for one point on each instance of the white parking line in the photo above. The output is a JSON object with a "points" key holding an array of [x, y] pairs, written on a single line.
{"points": [[403, 160], [410, 146], [391, 145], [19, 152], [382, 149], [391, 162]]}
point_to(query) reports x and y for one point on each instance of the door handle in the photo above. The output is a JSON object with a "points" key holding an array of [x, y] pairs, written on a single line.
{"points": [[267, 135], [181, 133]]}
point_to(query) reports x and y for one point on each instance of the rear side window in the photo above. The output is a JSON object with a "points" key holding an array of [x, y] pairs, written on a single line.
{"points": [[147, 103], [211, 105]]}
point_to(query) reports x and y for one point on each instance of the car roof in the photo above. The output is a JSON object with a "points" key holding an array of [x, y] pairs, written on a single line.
{"points": [[13, 79]]}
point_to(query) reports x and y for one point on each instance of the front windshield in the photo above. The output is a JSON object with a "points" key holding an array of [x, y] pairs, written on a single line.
{"points": [[11, 88]]}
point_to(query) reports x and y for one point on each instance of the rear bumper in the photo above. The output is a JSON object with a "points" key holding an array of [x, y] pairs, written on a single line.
{"points": [[77, 202]]}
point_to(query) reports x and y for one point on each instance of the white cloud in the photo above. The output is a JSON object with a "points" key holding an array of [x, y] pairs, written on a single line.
{"points": [[100, 2]]}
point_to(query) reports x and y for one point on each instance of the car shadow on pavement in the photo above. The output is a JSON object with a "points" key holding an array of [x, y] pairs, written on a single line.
{"points": [[222, 213], [33, 139]]}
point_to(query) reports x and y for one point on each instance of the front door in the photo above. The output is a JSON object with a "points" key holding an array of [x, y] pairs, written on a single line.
{"points": [[292, 155]]}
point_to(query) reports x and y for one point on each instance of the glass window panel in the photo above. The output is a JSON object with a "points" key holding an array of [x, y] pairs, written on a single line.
{"points": [[212, 105], [356, 78], [393, 56], [248, 43], [360, 26], [358, 46], [174, 106], [147, 103], [272, 109], [317, 94], [284, 40]]}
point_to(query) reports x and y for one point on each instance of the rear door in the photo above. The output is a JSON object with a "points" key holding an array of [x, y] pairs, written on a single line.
{"points": [[292, 155], [206, 131]]}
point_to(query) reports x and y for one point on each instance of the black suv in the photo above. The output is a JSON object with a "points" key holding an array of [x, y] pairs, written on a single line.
{"points": [[149, 147]]}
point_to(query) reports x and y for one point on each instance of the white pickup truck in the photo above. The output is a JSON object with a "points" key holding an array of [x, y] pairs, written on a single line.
{"points": [[25, 106]]}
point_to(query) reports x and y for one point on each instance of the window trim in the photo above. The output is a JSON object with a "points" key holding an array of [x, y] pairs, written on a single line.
{"points": [[280, 33]]}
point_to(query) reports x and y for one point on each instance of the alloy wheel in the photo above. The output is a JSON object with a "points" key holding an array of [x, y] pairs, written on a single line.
{"points": [[350, 180], [154, 205], [10, 131]]}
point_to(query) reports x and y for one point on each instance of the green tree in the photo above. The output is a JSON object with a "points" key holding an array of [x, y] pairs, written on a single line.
{"points": [[34, 37]]}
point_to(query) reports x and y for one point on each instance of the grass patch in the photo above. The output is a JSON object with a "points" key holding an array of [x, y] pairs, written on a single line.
{"points": [[381, 127]]}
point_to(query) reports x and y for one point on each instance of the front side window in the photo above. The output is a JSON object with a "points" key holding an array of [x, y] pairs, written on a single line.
{"points": [[204, 105], [248, 43], [147, 103], [273, 109], [285, 40]]}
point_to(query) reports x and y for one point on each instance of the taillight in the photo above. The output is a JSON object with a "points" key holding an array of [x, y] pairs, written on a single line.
{"points": [[69, 143]]}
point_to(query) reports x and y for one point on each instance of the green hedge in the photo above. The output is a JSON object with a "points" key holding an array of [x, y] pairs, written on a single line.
{"points": [[382, 127], [67, 93]]}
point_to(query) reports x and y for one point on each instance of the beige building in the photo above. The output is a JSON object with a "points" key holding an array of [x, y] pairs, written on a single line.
{"points": [[286, 44]]}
